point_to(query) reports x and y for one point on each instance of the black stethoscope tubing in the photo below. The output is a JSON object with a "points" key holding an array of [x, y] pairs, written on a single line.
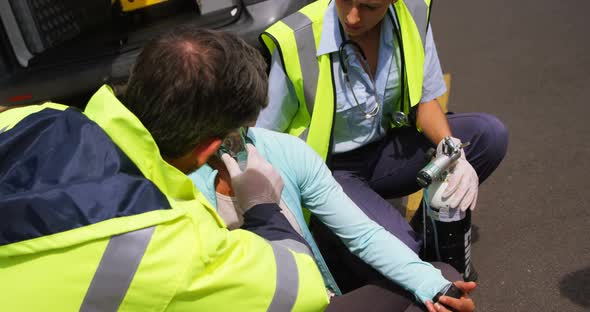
{"points": [[344, 66], [404, 109], [341, 52]]}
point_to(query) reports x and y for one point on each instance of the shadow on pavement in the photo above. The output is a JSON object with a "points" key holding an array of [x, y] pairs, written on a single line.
{"points": [[474, 233], [576, 287]]}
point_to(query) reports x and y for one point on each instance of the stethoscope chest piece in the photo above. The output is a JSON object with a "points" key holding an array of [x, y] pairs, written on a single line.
{"points": [[400, 119]]}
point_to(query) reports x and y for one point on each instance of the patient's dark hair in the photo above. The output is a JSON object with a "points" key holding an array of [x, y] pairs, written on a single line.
{"points": [[191, 85]]}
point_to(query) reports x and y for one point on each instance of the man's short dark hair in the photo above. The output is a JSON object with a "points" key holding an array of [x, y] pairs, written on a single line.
{"points": [[191, 85]]}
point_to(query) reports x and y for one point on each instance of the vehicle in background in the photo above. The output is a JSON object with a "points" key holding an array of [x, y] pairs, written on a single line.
{"points": [[63, 50]]}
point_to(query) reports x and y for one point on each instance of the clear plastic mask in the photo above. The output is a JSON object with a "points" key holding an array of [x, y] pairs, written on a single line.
{"points": [[234, 144]]}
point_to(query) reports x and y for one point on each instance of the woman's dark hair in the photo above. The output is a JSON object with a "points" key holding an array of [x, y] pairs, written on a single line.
{"points": [[191, 85]]}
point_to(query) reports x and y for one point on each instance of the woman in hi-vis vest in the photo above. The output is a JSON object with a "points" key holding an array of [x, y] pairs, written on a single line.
{"points": [[358, 80]]}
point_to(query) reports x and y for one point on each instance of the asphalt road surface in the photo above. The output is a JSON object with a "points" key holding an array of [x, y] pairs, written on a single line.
{"points": [[527, 62]]}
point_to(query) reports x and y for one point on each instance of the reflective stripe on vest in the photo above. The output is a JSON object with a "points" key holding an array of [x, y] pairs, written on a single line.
{"points": [[310, 71], [419, 11], [413, 17], [296, 38], [294, 245], [287, 280], [124, 252], [293, 37], [115, 272]]}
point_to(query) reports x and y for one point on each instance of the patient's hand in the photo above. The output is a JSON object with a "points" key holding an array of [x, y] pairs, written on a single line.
{"points": [[463, 304]]}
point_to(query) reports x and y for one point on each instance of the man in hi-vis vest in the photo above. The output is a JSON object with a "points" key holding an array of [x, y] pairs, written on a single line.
{"points": [[358, 81], [96, 210]]}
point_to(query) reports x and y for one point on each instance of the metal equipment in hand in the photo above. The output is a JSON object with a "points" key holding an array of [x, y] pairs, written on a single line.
{"points": [[437, 168]]}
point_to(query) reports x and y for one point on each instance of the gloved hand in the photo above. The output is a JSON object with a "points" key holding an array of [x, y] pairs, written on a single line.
{"points": [[463, 182], [260, 183]]}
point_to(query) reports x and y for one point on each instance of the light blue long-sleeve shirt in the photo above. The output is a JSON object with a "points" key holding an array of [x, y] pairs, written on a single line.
{"points": [[351, 129], [309, 183]]}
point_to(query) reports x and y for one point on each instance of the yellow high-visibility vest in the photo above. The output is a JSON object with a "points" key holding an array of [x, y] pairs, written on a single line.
{"points": [[178, 258], [297, 37]]}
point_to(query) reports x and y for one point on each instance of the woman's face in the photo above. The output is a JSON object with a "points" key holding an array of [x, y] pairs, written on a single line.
{"points": [[359, 16]]}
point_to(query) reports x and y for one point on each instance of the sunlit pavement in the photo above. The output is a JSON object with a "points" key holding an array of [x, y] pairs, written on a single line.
{"points": [[527, 62]]}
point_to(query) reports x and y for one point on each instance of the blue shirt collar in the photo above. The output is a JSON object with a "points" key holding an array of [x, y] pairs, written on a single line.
{"points": [[331, 39]]}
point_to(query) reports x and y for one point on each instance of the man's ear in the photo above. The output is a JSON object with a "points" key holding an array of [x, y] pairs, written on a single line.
{"points": [[204, 150], [197, 157]]}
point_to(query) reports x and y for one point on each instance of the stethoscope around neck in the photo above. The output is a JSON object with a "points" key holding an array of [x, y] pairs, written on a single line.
{"points": [[344, 66], [399, 118]]}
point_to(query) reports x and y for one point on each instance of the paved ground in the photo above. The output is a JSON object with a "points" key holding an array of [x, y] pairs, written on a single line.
{"points": [[528, 62]]}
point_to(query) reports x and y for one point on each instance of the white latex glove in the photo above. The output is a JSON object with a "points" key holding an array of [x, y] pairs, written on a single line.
{"points": [[463, 182], [260, 183]]}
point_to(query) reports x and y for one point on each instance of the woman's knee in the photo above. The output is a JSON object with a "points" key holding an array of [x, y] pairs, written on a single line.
{"points": [[496, 135], [486, 133]]}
